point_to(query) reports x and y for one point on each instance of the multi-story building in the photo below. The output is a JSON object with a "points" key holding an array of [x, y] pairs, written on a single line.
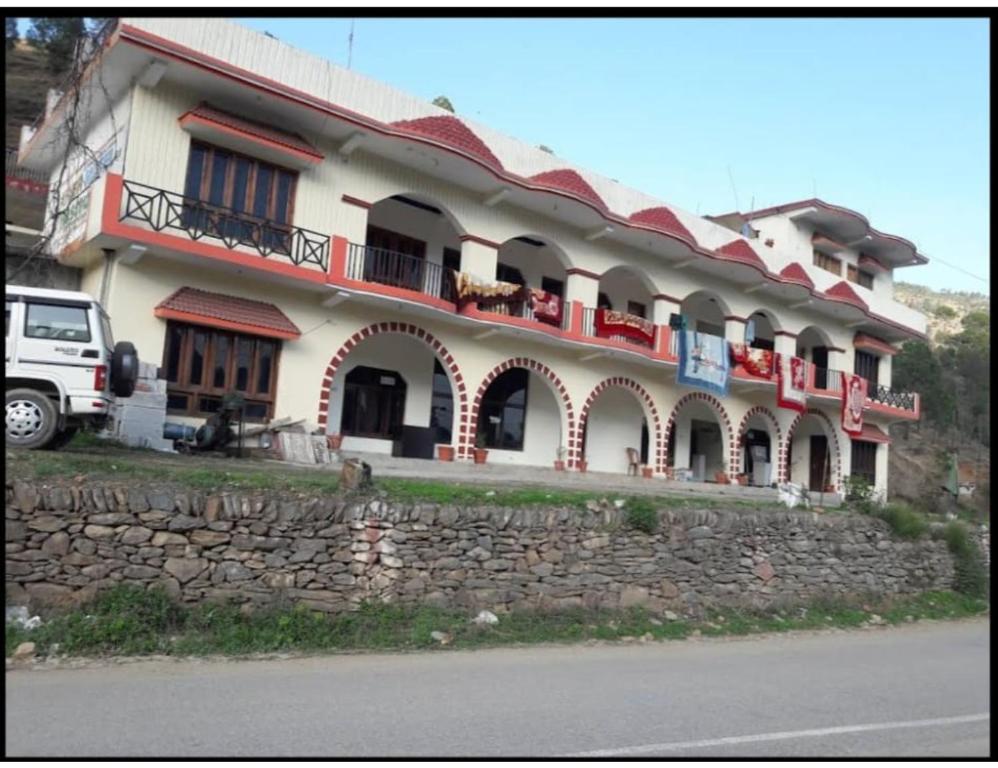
{"points": [[258, 219]]}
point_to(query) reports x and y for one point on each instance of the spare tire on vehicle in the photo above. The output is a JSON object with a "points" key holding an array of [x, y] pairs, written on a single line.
{"points": [[124, 369]]}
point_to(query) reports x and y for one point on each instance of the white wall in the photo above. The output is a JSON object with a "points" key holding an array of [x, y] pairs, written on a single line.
{"points": [[535, 263], [542, 436], [614, 425]]}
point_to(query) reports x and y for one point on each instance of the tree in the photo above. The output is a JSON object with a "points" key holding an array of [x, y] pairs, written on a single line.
{"points": [[11, 32], [916, 368], [57, 37], [444, 103]]}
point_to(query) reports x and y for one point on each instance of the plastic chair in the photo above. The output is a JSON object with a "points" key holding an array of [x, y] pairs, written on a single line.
{"points": [[633, 461]]}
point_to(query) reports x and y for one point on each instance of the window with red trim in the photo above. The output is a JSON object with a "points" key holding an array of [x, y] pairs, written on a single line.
{"points": [[203, 364]]}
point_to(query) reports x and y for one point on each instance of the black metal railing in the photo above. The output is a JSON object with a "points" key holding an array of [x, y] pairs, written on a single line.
{"points": [[163, 210], [400, 270], [12, 169], [887, 396], [827, 379]]}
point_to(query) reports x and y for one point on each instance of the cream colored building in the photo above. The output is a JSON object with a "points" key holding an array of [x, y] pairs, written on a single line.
{"points": [[259, 219]]}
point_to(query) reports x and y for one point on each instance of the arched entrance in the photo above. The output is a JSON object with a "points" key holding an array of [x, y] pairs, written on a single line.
{"points": [[759, 447], [699, 438], [394, 387], [813, 454], [534, 262], [522, 415], [621, 415], [813, 344], [705, 312]]}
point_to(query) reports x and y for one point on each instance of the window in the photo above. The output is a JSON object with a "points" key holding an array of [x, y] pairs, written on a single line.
{"points": [[858, 276], [554, 287], [452, 259], [249, 188], [6, 320], [373, 403], [202, 365], [864, 461], [503, 413], [828, 263], [603, 301], [507, 274], [636, 308], [867, 366], [442, 404], [57, 322]]}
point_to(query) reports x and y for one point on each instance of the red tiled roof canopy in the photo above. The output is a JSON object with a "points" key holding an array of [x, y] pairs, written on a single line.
{"points": [[872, 434], [452, 132], [844, 292], [567, 180], [206, 112], [866, 341], [233, 313], [742, 251], [797, 274], [661, 218]]}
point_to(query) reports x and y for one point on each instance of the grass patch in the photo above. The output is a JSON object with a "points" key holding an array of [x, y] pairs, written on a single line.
{"points": [[640, 513], [971, 576], [128, 620], [903, 520]]}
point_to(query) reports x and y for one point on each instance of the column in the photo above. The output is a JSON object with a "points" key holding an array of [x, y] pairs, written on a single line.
{"points": [[581, 291], [479, 257], [663, 308]]}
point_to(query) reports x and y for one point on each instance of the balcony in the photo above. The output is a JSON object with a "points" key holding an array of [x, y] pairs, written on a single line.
{"points": [[905, 401], [175, 214], [368, 264]]}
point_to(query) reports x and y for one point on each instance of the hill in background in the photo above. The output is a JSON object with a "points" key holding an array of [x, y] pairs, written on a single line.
{"points": [[27, 80], [944, 310]]}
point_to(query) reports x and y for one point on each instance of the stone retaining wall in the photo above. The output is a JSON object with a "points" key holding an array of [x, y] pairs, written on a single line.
{"points": [[64, 542]]}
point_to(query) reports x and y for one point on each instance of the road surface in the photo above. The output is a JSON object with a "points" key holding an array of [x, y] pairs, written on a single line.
{"points": [[916, 690]]}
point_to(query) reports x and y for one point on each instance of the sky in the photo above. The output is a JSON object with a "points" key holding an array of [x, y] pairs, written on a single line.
{"points": [[888, 117]]}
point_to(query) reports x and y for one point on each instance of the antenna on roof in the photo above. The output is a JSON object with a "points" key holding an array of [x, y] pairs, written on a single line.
{"points": [[733, 190], [350, 45]]}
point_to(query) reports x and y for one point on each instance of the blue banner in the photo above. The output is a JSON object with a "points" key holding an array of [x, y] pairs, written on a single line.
{"points": [[703, 362]]}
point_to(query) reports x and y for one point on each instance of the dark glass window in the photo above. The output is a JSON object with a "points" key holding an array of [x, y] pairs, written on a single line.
{"points": [[867, 366], [442, 405], [636, 308], [203, 364], [552, 286], [59, 323], [507, 274], [603, 301], [864, 461], [452, 259], [373, 403], [503, 413]]}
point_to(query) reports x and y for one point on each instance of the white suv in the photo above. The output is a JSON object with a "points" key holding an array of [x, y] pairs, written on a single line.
{"points": [[63, 369]]}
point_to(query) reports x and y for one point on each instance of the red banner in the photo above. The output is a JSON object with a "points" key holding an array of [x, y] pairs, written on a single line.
{"points": [[791, 383], [610, 323], [853, 400]]}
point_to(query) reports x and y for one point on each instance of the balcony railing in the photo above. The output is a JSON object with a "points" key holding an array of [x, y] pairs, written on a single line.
{"points": [[520, 308], [589, 329], [162, 210], [13, 170], [399, 270], [826, 379], [886, 396]]}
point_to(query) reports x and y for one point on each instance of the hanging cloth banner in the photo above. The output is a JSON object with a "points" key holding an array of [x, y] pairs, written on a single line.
{"points": [[546, 306], [757, 362], [853, 400], [703, 362], [610, 323], [466, 288], [791, 383]]}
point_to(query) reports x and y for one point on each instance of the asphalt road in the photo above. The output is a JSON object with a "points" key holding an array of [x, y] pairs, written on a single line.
{"points": [[921, 689]]}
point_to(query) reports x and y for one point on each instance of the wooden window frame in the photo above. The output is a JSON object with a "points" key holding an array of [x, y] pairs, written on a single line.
{"points": [[250, 195], [206, 388], [827, 263], [871, 475], [856, 275]]}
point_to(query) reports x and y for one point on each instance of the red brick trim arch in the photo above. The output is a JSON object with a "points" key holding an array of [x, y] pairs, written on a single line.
{"points": [[568, 426], [777, 450], [784, 458], [439, 350], [722, 416], [655, 425]]}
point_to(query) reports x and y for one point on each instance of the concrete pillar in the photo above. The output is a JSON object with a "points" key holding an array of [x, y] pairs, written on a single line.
{"points": [[884, 370], [581, 285], [351, 221], [663, 307], [479, 258], [734, 329], [785, 343], [840, 360]]}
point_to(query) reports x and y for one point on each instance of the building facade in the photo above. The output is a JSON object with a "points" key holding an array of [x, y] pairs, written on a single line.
{"points": [[258, 219]]}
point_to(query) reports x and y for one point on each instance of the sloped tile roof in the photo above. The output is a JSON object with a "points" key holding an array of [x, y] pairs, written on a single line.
{"points": [[742, 251], [663, 219], [567, 180], [844, 292], [797, 274], [233, 312], [452, 132], [260, 130]]}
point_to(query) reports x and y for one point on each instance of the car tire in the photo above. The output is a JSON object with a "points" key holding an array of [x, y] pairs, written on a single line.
{"points": [[32, 419], [61, 438], [124, 369]]}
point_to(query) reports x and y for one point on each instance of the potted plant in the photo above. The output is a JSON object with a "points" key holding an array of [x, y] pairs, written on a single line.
{"points": [[481, 452], [647, 471], [334, 442], [559, 463], [445, 452], [583, 465]]}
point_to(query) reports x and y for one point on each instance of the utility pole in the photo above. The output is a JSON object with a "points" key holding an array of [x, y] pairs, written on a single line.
{"points": [[350, 45]]}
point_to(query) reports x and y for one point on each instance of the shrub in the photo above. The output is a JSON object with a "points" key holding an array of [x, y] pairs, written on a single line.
{"points": [[903, 520], [859, 494], [641, 514], [971, 577]]}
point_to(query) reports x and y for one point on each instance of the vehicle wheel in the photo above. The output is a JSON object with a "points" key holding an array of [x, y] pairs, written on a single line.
{"points": [[60, 439], [32, 419], [124, 369]]}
